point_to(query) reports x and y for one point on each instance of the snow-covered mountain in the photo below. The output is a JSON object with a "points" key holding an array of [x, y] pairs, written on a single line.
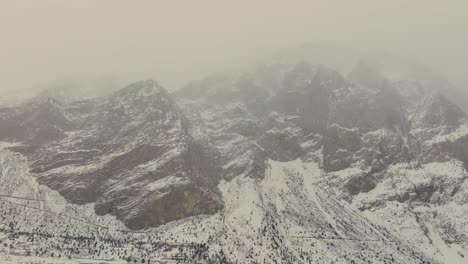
{"points": [[130, 154], [282, 164], [389, 145]]}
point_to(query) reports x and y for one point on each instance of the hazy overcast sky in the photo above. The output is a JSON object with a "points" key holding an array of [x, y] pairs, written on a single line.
{"points": [[47, 42]]}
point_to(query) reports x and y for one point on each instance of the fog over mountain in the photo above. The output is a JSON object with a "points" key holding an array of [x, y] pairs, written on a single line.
{"points": [[246, 132], [51, 43]]}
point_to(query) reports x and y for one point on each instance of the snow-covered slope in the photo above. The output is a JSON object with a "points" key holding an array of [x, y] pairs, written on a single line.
{"points": [[284, 217]]}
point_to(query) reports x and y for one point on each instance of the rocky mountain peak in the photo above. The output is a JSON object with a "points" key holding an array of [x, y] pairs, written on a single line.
{"points": [[145, 98], [144, 88]]}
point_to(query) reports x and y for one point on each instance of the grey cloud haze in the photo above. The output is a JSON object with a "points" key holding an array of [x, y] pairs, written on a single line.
{"points": [[44, 43]]}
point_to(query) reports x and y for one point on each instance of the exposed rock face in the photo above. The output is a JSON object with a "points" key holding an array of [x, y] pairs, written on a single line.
{"points": [[359, 184], [340, 144]]}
